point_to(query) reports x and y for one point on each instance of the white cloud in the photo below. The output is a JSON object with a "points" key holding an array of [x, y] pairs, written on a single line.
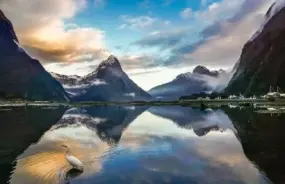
{"points": [[47, 37], [186, 13], [204, 2], [218, 10], [158, 75], [140, 22], [225, 47]]}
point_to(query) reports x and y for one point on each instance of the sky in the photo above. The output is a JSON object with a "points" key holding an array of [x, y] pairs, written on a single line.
{"points": [[155, 40]]}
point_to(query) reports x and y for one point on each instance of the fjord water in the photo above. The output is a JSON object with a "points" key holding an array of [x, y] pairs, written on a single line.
{"points": [[141, 145]]}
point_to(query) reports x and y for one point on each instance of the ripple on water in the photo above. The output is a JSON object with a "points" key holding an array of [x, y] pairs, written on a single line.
{"points": [[41, 164], [46, 163]]}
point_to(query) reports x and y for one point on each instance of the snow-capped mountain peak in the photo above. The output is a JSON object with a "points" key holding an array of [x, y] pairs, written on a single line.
{"points": [[111, 61], [107, 83]]}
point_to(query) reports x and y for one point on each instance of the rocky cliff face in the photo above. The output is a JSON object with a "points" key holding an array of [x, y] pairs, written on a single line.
{"points": [[205, 71], [262, 62], [107, 83], [20, 75]]}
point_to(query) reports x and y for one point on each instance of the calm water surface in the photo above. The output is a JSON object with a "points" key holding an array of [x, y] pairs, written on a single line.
{"points": [[141, 145]]}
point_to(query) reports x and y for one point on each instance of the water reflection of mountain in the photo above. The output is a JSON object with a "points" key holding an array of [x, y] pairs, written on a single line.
{"points": [[108, 122], [88, 132], [21, 127], [147, 149], [156, 150], [262, 137], [201, 121]]}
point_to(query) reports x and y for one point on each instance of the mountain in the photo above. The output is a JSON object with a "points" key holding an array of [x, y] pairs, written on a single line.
{"points": [[200, 80], [107, 83], [20, 75], [262, 61], [205, 71]]}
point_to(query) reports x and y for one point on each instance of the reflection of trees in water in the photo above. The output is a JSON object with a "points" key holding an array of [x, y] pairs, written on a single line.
{"points": [[262, 137]]}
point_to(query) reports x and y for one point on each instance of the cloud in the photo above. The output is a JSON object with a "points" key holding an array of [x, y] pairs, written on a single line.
{"points": [[186, 13], [217, 11], [222, 42], [42, 31], [204, 2], [162, 39], [131, 62], [139, 22]]}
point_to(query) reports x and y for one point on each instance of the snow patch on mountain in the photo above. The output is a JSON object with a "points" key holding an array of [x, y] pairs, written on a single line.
{"points": [[108, 82]]}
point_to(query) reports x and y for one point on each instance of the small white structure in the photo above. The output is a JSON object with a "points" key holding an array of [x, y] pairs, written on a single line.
{"points": [[271, 109], [241, 97], [233, 97], [272, 94]]}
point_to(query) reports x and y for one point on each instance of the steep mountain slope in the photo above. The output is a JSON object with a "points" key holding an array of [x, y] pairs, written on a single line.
{"points": [[201, 80], [20, 75], [262, 62], [107, 83]]}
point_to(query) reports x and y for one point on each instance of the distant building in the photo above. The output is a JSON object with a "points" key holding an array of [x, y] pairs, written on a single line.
{"points": [[233, 97]]}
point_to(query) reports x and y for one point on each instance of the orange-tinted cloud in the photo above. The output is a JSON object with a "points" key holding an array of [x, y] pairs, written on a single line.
{"points": [[42, 31]]}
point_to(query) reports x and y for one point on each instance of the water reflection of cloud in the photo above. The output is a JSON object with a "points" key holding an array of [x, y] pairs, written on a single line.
{"points": [[214, 158], [44, 162], [148, 150]]}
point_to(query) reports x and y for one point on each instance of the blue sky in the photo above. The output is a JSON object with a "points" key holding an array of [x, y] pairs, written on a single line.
{"points": [[155, 39], [108, 16]]}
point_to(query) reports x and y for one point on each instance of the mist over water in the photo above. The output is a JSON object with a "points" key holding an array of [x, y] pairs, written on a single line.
{"points": [[140, 145]]}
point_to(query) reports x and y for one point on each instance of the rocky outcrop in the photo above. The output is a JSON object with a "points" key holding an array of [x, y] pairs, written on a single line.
{"points": [[205, 71], [21, 76]]}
